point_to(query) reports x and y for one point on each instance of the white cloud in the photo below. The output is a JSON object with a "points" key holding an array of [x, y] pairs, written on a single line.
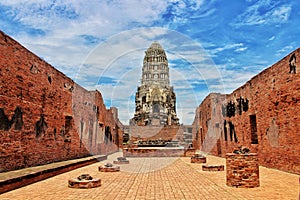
{"points": [[264, 12], [232, 80], [241, 49], [227, 47], [272, 38], [284, 50], [281, 14], [64, 21]]}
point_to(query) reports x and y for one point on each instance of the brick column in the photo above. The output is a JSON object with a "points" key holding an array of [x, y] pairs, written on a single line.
{"points": [[242, 170]]}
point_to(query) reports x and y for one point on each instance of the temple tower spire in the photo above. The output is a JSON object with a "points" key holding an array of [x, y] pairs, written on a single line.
{"points": [[155, 99]]}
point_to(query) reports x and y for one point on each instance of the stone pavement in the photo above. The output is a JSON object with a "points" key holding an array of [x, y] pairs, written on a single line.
{"points": [[160, 178]]}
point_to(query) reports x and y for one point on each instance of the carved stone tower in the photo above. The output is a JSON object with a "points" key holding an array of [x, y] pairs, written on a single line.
{"points": [[155, 99]]}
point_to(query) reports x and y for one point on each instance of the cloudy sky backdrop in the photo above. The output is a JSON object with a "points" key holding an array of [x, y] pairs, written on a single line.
{"points": [[212, 45]]}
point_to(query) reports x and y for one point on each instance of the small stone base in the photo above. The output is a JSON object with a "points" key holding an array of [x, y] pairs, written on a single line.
{"points": [[121, 162], [109, 169], [212, 168], [189, 152], [198, 159], [84, 184]]}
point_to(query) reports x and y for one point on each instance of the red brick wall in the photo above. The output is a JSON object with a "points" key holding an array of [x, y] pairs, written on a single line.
{"points": [[242, 170], [45, 116], [273, 102], [145, 133], [208, 119]]}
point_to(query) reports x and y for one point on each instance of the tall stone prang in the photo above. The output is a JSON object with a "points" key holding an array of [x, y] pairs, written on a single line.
{"points": [[155, 99]]}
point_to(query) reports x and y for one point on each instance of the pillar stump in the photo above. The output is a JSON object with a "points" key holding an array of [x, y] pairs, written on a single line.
{"points": [[84, 181], [108, 167], [198, 158], [242, 170], [121, 160]]}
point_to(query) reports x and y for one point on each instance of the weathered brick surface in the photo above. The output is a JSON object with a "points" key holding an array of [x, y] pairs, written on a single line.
{"points": [[45, 116], [273, 103], [242, 170]]}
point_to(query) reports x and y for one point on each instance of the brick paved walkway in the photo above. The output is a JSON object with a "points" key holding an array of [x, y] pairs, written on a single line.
{"points": [[160, 178]]}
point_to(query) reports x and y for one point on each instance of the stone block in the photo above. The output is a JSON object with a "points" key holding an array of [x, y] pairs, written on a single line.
{"points": [[212, 167]]}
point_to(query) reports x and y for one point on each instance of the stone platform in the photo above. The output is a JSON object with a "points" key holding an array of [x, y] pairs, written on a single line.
{"points": [[154, 152], [170, 133]]}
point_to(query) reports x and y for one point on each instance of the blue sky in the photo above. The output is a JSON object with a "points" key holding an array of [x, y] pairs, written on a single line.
{"points": [[212, 46]]}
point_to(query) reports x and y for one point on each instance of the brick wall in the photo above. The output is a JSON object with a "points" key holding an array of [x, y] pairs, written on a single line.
{"points": [[172, 132], [242, 170], [45, 116], [262, 115]]}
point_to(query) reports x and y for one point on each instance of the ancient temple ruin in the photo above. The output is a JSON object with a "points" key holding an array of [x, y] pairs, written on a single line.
{"points": [[45, 116], [262, 115], [155, 99]]}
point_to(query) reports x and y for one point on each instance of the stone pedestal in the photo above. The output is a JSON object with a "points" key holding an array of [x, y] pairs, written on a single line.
{"points": [[84, 181], [189, 152], [212, 168], [109, 169], [198, 158], [242, 170], [121, 160]]}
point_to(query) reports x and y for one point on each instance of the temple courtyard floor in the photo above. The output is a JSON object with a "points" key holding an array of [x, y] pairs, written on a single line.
{"points": [[160, 178]]}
